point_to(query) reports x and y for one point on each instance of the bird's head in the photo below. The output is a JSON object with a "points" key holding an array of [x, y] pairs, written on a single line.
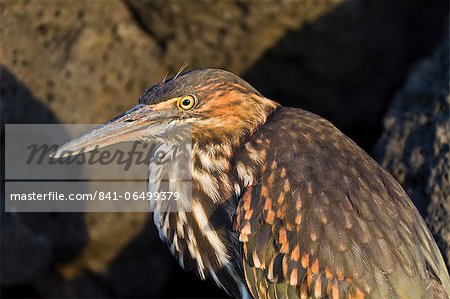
{"points": [[218, 106]]}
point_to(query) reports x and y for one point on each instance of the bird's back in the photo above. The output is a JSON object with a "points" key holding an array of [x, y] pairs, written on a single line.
{"points": [[324, 219]]}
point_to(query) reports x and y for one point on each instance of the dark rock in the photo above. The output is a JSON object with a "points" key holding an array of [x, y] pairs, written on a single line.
{"points": [[415, 146], [32, 243], [52, 285], [346, 65], [18, 104], [142, 267], [136, 268], [66, 232], [25, 254]]}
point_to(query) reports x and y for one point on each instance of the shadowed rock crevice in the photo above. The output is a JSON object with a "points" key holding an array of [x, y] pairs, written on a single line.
{"points": [[415, 145], [32, 243], [347, 64]]}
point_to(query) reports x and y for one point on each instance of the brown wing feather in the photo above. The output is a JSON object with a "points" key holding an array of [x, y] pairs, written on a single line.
{"points": [[324, 220]]}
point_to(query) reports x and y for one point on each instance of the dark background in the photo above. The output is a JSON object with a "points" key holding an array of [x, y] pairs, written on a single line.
{"points": [[377, 69]]}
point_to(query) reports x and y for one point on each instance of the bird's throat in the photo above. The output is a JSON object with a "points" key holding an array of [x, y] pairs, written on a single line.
{"points": [[223, 164]]}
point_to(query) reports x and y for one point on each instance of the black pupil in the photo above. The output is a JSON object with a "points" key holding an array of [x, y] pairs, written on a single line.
{"points": [[186, 102]]}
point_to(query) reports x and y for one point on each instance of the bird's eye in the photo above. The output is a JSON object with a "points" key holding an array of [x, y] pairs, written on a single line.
{"points": [[187, 102]]}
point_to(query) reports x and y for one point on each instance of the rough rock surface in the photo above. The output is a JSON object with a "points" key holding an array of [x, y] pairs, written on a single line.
{"points": [[415, 146], [18, 265], [90, 60], [224, 34], [84, 60]]}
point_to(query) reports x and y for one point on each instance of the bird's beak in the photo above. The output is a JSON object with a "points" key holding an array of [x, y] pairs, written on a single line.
{"points": [[131, 125]]}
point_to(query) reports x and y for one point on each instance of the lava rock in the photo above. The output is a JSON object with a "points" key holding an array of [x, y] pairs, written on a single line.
{"points": [[25, 254], [85, 60], [346, 65], [225, 34], [415, 145], [91, 60], [33, 243]]}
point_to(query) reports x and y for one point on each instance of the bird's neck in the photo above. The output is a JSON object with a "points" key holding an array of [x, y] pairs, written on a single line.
{"points": [[241, 116], [218, 176], [216, 148]]}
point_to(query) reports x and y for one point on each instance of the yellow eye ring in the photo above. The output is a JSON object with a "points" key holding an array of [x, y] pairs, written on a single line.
{"points": [[187, 102]]}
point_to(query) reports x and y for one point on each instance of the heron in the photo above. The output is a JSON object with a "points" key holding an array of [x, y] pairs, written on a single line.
{"points": [[284, 205]]}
